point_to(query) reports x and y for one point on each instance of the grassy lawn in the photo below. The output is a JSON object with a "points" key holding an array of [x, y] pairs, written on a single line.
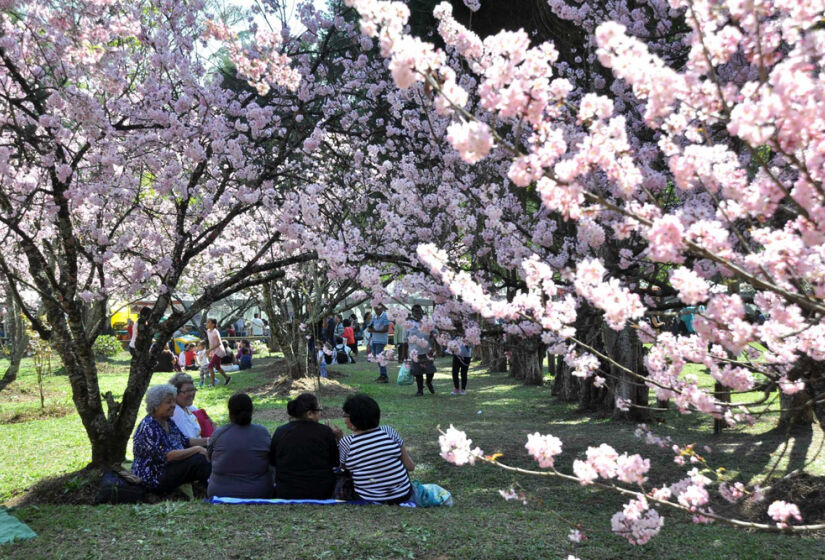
{"points": [[497, 414]]}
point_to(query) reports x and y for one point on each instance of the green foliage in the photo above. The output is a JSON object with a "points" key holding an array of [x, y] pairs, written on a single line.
{"points": [[107, 346]]}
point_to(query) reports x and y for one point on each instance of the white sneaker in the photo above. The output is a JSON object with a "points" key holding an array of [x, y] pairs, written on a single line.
{"points": [[455, 392]]}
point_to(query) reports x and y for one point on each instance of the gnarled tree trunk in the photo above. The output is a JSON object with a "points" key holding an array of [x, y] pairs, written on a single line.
{"points": [[17, 341], [525, 360]]}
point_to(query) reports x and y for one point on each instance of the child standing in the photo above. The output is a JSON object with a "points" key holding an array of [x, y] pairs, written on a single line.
{"points": [[215, 351], [202, 361], [349, 337], [324, 358]]}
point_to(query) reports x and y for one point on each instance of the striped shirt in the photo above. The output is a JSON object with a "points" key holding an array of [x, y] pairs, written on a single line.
{"points": [[374, 459]]}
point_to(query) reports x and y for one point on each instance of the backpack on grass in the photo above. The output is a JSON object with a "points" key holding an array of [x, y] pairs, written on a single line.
{"points": [[119, 489], [341, 355]]}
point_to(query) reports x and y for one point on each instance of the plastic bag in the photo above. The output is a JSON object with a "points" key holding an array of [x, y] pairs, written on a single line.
{"points": [[404, 375], [431, 495]]}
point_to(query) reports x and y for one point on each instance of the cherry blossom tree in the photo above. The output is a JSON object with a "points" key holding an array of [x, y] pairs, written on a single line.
{"points": [[129, 169], [738, 203]]}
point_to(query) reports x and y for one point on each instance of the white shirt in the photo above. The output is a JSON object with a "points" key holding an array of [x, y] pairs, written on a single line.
{"points": [[257, 325], [186, 421], [134, 335]]}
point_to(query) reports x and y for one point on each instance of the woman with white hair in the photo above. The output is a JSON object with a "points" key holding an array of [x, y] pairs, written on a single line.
{"points": [[192, 421], [164, 457]]}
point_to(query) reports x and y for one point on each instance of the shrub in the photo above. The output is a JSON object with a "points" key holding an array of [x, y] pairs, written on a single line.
{"points": [[106, 346], [258, 347]]}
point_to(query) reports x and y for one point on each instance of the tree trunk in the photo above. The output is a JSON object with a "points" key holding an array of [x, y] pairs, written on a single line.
{"points": [[625, 348], [493, 356], [797, 408], [525, 362], [17, 339], [269, 308]]}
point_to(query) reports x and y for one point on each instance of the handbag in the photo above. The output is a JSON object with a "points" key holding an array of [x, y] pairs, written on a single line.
{"points": [[344, 486]]}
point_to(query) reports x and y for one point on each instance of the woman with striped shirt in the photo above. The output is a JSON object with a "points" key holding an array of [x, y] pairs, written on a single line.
{"points": [[375, 455]]}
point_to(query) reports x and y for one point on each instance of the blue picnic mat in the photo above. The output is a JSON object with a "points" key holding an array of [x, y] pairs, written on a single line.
{"points": [[279, 502], [12, 528]]}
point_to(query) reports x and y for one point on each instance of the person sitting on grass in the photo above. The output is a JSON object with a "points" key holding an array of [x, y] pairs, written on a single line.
{"points": [[375, 455], [245, 361], [167, 361], [304, 452], [192, 421], [244, 356], [186, 359], [228, 358], [341, 353], [164, 457], [240, 455]]}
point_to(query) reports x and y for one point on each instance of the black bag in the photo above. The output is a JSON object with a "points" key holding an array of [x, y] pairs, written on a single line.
{"points": [[341, 355], [115, 489], [328, 358], [344, 487]]}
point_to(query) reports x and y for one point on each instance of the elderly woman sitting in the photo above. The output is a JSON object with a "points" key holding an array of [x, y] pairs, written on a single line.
{"points": [[164, 457], [192, 421]]}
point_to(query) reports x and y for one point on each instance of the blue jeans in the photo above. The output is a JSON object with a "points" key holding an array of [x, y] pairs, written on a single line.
{"points": [[377, 348]]}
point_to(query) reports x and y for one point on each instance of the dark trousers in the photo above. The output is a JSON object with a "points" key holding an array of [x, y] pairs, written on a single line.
{"points": [[460, 365], [354, 348], [403, 352], [191, 469], [421, 368]]}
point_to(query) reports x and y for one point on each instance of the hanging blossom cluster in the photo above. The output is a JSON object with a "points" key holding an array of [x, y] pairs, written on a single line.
{"points": [[261, 62]]}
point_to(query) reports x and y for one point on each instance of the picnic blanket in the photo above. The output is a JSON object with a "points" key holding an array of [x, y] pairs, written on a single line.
{"points": [[279, 502], [12, 528]]}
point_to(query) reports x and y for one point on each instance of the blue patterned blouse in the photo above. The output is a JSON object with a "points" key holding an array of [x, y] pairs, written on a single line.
{"points": [[151, 444]]}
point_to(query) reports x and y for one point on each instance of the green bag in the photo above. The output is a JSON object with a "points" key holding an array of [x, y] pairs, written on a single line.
{"points": [[431, 495], [404, 375]]}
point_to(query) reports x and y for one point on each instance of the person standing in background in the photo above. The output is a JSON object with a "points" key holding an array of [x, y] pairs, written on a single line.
{"points": [[257, 325], [401, 343], [379, 336], [215, 351]]}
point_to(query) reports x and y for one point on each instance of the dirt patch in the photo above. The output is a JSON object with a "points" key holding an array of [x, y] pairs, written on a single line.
{"points": [[22, 393], [52, 411], [804, 490], [79, 487], [280, 415], [284, 386]]}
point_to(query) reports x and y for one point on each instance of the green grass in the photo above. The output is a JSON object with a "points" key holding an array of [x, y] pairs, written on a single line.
{"points": [[497, 414]]}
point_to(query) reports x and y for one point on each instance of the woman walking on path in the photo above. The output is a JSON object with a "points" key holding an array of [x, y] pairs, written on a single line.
{"points": [[461, 363]]}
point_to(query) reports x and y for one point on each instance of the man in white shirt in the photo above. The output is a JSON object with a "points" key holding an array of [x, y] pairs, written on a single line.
{"points": [[257, 326]]}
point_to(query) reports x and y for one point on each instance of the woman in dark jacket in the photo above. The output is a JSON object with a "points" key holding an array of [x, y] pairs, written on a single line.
{"points": [[304, 453]]}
